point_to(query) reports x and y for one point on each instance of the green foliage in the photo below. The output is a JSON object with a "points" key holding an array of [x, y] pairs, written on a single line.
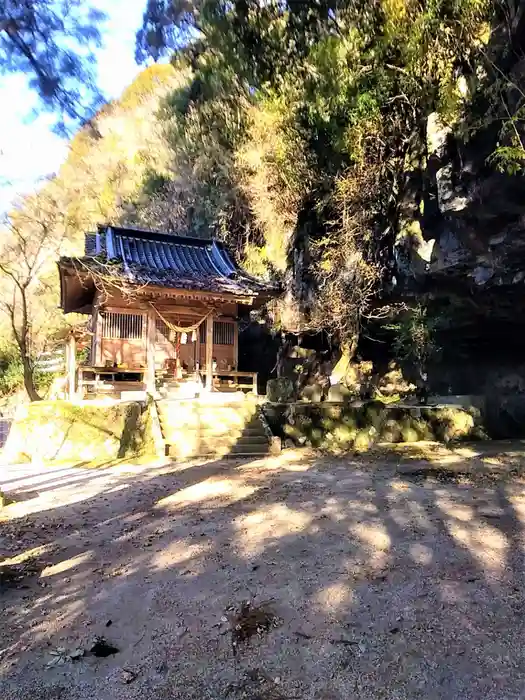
{"points": [[298, 122], [149, 83], [101, 181], [508, 159], [111, 158], [344, 428], [293, 131], [415, 336], [52, 41], [11, 370]]}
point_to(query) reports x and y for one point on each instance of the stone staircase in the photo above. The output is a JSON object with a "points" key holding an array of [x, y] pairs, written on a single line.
{"points": [[203, 427]]}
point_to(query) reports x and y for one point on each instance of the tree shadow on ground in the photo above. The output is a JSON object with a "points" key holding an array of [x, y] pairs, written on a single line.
{"points": [[387, 585]]}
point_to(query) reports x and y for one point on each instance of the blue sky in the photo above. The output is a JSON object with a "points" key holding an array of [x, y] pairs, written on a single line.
{"points": [[28, 148]]}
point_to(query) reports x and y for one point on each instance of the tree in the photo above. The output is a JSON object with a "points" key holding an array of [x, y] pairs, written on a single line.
{"points": [[329, 102], [261, 38], [100, 182], [52, 41], [32, 240]]}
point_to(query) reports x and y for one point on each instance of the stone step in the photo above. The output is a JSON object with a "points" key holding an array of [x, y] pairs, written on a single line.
{"points": [[176, 404], [211, 426], [213, 430], [249, 429], [218, 399], [172, 437], [251, 448], [215, 442], [190, 404], [190, 419], [252, 440], [193, 429], [248, 450], [194, 405]]}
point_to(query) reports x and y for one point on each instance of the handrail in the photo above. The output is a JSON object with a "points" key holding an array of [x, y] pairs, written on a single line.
{"points": [[236, 374]]}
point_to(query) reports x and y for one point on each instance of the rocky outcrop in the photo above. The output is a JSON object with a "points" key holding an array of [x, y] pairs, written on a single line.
{"points": [[463, 256], [469, 234], [280, 390]]}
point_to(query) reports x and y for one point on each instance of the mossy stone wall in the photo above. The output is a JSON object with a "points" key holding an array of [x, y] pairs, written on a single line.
{"points": [[60, 430], [341, 426]]}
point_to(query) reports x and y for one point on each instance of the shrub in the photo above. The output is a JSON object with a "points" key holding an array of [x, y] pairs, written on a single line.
{"points": [[11, 370]]}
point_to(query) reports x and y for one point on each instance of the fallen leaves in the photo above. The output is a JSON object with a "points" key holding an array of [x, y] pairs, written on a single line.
{"points": [[100, 647], [61, 655], [128, 676], [11, 575], [250, 619]]}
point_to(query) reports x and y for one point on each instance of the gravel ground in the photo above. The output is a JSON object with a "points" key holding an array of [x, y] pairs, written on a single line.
{"points": [[381, 584]]}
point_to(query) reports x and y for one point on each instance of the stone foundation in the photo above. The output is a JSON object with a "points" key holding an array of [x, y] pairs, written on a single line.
{"points": [[60, 430], [341, 427]]}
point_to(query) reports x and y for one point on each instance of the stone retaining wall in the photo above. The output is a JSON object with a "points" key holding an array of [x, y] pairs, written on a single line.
{"points": [[60, 430], [342, 426]]}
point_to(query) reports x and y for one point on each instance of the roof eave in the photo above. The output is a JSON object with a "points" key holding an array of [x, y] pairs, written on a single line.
{"points": [[80, 267], [157, 290], [75, 295]]}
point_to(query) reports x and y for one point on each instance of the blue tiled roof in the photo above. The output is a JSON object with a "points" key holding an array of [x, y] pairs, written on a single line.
{"points": [[161, 259]]}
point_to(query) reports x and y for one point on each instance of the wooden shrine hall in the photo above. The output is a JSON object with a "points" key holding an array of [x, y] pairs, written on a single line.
{"points": [[164, 313]]}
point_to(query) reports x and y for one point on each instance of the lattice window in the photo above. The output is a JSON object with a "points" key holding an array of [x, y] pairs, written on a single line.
{"points": [[223, 333], [117, 326]]}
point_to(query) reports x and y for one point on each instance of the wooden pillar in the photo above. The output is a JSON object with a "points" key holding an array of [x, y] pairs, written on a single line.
{"points": [[209, 353], [198, 350], [236, 346], [71, 360], [96, 360], [150, 352]]}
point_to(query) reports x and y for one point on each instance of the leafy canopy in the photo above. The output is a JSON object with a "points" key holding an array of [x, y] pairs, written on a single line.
{"points": [[101, 181], [302, 131], [52, 41]]}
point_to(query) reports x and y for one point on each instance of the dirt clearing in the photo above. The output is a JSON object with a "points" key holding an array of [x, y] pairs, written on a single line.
{"points": [[291, 577]]}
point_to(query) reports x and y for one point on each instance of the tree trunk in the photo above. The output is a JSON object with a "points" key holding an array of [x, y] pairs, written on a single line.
{"points": [[29, 381], [347, 350], [22, 338], [282, 354]]}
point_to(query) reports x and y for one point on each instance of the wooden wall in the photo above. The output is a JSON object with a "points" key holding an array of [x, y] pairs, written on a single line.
{"points": [[132, 351], [123, 352]]}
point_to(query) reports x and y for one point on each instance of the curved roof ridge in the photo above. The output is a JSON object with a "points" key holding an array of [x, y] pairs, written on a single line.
{"points": [[145, 257], [133, 232]]}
